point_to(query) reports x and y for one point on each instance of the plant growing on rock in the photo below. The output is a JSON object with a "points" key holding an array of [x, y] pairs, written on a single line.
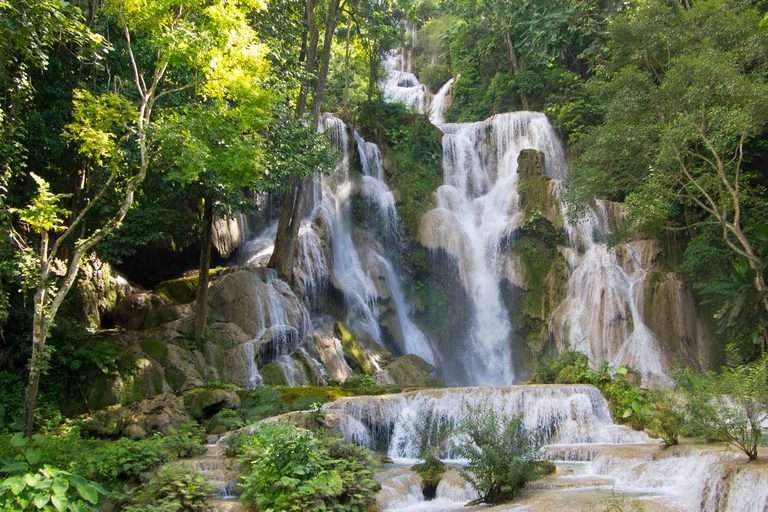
{"points": [[175, 489], [503, 455], [667, 415], [731, 404]]}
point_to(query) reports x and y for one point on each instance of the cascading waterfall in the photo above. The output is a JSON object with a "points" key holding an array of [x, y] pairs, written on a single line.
{"points": [[480, 205], [400, 85], [561, 414], [440, 102], [600, 316]]}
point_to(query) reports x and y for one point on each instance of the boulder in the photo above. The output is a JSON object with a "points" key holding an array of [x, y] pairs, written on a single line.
{"points": [[254, 299], [163, 413], [412, 371], [205, 403], [145, 310]]}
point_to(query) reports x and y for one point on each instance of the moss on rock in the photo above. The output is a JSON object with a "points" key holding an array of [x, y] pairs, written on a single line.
{"points": [[155, 349], [412, 371], [354, 352], [273, 375]]}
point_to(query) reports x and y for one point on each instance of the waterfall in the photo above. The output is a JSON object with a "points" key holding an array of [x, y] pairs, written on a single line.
{"points": [[567, 414], [600, 315], [479, 208], [440, 103]]}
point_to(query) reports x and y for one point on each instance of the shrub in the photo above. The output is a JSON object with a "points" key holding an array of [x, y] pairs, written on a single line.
{"points": [[175, 489], [290, 468], [730, 405], [503, 455], [434, 76], [109, 462], [667, 416]]}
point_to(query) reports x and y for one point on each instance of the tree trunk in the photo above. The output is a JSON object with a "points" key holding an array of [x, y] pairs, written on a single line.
{"points": [[514, 66], [309, 65], [325, 58], [284, 255], [346, 70], [201, 320], [36, 364]]}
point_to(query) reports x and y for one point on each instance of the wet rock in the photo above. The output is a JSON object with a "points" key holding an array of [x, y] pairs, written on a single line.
{"points": [[205, 403]]}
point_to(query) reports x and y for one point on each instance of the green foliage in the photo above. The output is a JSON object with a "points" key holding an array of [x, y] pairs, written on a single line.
{"points": [[502, 454], [431, 433], [289, 468], [434, 76], [731, 404], [108, 462], [629, 404], [174, 489], [414, 146], [49, 489], [431, 472], [359, 382], [667, 419]]}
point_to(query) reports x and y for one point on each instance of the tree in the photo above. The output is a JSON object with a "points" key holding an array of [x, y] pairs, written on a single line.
{"points": [[503, 455], [730, 405], [683, 103], [115, 133]]}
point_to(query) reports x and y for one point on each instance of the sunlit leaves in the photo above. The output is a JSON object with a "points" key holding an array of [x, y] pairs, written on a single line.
{"points": [[43, 213]]}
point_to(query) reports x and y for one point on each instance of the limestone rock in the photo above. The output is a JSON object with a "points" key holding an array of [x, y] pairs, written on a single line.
{"points": [[412, 371], [254, 299], [228, 234], [101, 288], [145, 310], [205, 403], [163, 413]]}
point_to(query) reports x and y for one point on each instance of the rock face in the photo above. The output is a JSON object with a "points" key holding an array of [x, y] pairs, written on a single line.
{"points": [[163, 413], [409, 372], [101, 289], [254, 299]]}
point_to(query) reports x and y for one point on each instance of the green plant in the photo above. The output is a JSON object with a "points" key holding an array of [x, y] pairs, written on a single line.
{"points": [[223, 385], [667, 415], [731, 404], [359, 382], [502, 454], [175, 489], [49, 489], [289, 468]]}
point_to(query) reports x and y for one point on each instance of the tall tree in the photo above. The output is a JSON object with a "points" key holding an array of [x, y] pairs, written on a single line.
{"points": [[116, 135]]}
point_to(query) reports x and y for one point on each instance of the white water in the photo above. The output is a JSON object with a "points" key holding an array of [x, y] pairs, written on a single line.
{"points": [[600, 315], [559, 413], [480, 202], [440, 103]]}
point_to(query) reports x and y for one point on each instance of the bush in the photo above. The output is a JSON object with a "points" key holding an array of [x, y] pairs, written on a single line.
{"points": [[667, 416], [730, 405], [173, 490], [290, 468], [109, 462], [503, 455], [434, 76]]}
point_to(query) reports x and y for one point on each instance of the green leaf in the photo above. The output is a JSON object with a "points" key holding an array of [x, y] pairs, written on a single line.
{"points": [[60, 486], [88, 493], [32, 479], [14, 466], [18, 440], [16, 484], [627, 413], [33, 455], [59, 502], [42, 500]]}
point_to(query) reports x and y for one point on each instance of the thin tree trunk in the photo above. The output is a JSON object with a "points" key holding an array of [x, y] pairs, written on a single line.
{"points": [[309, 65], [514, 66], [346, 70], [325, 59], [201, 321]]}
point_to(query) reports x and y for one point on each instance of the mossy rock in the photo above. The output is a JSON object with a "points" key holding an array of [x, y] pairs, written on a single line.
{"points": [[354, 352], [224, 421], [431, 472], [184, 289], [155, 349], [175, 378], [273, 375], [205, 403], [412, 371]]}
